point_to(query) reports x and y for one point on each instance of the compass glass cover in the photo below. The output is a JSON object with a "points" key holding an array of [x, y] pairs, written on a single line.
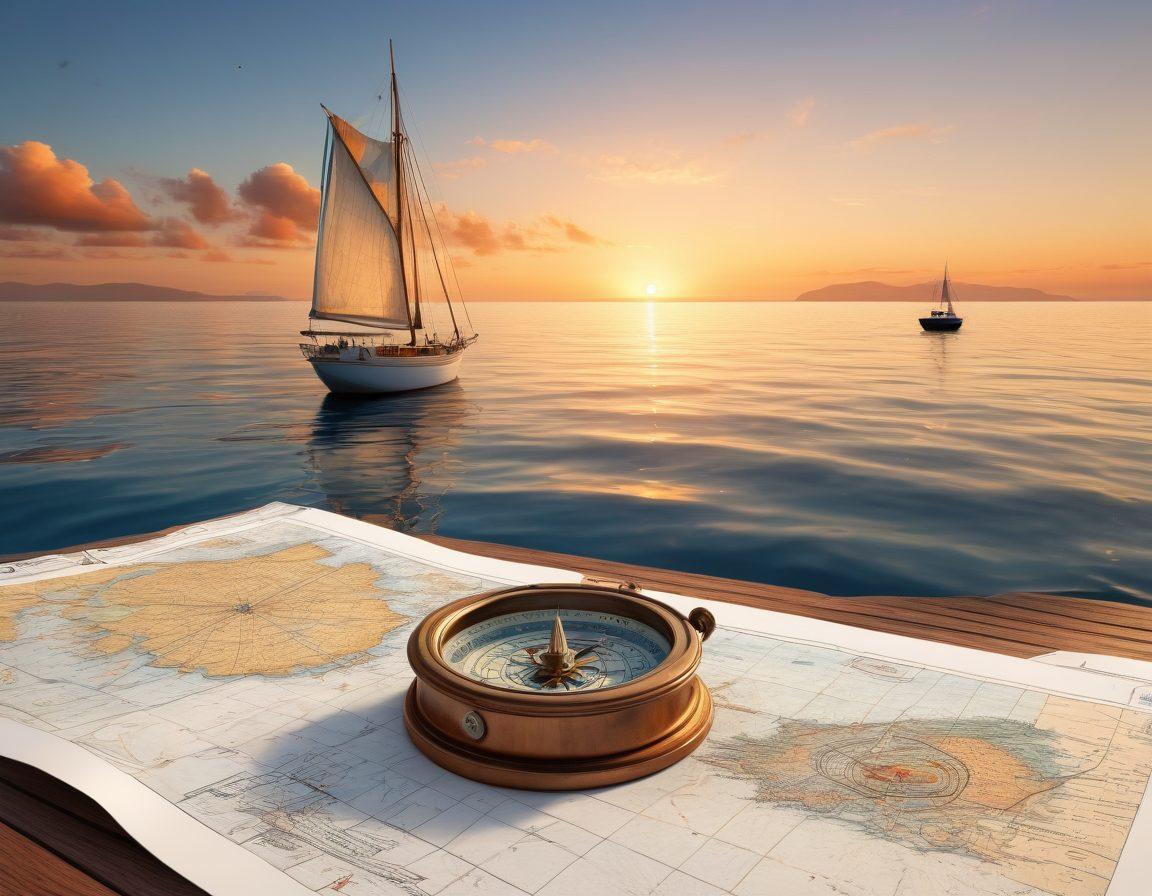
{"points": [[605, 650]]}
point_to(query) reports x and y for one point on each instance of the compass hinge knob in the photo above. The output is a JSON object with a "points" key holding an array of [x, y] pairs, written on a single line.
{"points": [[703, 621]]}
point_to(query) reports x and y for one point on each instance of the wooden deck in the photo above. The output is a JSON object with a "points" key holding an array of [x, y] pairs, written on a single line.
{"points": [[54, 841]]}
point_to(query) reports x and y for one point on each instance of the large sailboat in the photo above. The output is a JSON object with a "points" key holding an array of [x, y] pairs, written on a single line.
{"points": [[378, 249], [943, 318]]}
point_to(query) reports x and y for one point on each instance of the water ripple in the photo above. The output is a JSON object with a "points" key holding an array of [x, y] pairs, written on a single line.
{"points": [[828, 447]]}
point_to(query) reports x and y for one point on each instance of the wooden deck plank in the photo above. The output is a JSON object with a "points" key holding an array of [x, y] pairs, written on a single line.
{"points": [[28, 869], [1017, 624], [73, 826]]}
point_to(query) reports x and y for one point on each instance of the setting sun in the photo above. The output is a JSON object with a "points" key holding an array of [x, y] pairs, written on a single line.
{"points": [[650, 289]]}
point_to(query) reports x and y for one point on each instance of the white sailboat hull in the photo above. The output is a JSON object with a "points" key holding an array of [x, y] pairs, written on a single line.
{"points": [[358, 373]]}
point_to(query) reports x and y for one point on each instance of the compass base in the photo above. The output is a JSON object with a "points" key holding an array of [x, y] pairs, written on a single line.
{"points": [[568, 773]]}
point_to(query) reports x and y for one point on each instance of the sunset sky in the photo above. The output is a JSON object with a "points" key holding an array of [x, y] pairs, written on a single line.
{"points": [[587, 150]]}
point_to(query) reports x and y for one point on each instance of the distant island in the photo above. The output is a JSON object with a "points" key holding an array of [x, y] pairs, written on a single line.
{"points": [[874, 291], [11, 291]]}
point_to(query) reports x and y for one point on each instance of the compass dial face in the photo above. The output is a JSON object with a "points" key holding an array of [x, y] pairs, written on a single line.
{"points": [[611, 650]]}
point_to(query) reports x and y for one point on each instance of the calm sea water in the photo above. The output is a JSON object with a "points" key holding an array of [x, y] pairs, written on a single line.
{"points": [[833, 447]]}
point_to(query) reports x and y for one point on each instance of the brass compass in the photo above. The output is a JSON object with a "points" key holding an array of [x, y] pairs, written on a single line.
{"points": [[556, 687]]}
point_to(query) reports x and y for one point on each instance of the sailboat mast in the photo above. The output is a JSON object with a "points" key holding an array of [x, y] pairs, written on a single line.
{"points": [[398, 163], [946, 294]]}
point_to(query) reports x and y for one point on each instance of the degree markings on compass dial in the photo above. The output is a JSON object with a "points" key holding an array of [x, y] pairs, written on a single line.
{"points": [[495, 651]]}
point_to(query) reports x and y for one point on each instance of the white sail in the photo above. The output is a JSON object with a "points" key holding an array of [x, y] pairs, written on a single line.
{"points": [[358, 261], [375, 160]]}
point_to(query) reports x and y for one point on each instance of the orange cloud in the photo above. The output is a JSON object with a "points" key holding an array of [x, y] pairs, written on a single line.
{"points": [[483, 237], [515, 147], [112, 239], [802, 111], [208, 203], [916, 131], [738, 140], [19, 234], [573, 231], [452, 170], [662, 167], [286, 208], [46, 253], [1126, 266], [177, 234], [36, 187]]}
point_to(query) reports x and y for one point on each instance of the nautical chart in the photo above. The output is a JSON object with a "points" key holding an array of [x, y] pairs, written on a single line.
{"points": [[246, 676]]}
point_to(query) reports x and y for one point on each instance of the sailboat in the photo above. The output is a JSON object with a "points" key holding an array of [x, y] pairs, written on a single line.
{"points": [[943, 318], [375, 246]]}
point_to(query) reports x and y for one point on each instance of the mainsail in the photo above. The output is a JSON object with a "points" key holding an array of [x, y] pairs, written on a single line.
{"points": [[359, 261]]}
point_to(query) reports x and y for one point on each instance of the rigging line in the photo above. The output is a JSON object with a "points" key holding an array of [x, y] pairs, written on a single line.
{"points": [[421, 191], [436, 258], [417, 318], [439, 231]]}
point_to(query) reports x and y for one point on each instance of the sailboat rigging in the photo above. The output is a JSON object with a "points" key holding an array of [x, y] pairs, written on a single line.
{"points": [[374, 223], [943, 318]]}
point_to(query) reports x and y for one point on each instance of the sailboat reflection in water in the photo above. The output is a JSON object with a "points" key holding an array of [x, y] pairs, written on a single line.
{"points": [[391, 460], [377, 245]]}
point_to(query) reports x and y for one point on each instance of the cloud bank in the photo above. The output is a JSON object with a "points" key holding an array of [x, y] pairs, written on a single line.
{"points": [[38, 188]]}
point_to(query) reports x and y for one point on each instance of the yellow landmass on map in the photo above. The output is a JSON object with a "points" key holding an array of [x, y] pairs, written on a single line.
{"points": [[270, 614], [1050, 804], [11, 603]]}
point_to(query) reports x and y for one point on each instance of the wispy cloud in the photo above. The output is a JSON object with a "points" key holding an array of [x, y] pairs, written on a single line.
{"points": [[660, 167], [857, 272], [802, 112], [573, 232], [120, 240], [515, 147], [900, 133], [484, 237], [739, 139], [43, 253], [453, 170], [1126, 266], [849, 201], [175, 233], [19, 234]]}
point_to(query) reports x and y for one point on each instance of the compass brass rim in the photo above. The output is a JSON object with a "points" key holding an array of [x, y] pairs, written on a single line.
{"points": [[524, 773], [426, 656], [560, 740]]}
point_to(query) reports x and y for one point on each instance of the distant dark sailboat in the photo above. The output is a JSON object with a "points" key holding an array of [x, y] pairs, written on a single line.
{"points": [[943, 318]]}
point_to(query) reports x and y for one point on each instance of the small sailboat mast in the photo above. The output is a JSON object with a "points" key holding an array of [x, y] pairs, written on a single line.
{"points": [[945, 293]]}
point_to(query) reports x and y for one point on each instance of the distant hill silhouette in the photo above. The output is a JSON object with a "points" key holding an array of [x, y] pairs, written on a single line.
{"points": [[11, 291], [874, 291]]}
